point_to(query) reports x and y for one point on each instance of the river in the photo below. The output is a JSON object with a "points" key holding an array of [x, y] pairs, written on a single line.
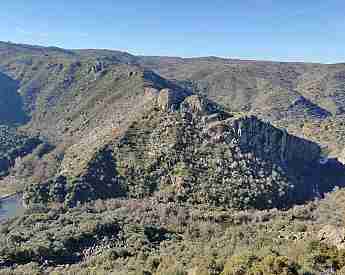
{"points": [[11, 207]]}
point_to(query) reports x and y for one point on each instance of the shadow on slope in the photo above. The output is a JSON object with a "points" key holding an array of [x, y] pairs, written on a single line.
{"points": [[332, 174], [11, 104]]}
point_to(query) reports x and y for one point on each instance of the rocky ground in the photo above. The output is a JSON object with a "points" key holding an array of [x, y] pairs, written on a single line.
{"points": [[155, 165], [147, 237], [188, 149]]}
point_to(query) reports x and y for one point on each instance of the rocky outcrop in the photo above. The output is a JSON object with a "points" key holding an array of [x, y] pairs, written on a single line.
{"points": [[342, 157], [151, 92], [168, 99], [276, 144], [195, 104], [97, 67], [333, 235], [188, 149]]}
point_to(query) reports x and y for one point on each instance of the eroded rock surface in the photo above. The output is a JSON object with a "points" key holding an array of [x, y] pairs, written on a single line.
{"points": [[188, 149]]}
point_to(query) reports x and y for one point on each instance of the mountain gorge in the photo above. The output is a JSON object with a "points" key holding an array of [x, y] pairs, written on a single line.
{"points": [[125, 162], [280, 92]]}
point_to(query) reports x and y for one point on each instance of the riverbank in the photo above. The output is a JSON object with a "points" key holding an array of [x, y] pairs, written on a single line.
{"points": [[7, 196], [18, 196], [9, 187], [11, 206]]}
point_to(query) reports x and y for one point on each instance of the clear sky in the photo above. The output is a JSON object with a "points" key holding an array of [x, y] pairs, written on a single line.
{"points": [[286, 30]]}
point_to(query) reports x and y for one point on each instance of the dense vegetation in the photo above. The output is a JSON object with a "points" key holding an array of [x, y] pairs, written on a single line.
{"points": [[13, 145], [143, 175], [194, 154], [53, 82], [146, 237]]}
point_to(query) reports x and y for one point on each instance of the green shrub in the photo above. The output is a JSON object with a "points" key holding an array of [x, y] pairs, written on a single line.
{"points": [[249, 264]]}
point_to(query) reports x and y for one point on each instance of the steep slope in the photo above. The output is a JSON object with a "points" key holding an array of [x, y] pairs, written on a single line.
{"points": [[13, 145], [290, 95], [278, 104], [193, 152], [181, 165], [74, 95], [85, 98], [287, 94], [62, 90], [11, 105], [326, 87], [69, 93], [237, 84]]}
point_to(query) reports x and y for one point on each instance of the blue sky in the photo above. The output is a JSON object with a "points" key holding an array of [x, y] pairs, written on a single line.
{"points": [[286, 30]]}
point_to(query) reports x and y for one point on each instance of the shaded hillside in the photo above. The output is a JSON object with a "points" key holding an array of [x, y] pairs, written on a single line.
{"points": [[54, 83], [288, 94], [88, 98], [11, 104], [69, 93], [76, 95], [325, 86], [190, 151], [149, 173], [12, 146], [239, 85]]}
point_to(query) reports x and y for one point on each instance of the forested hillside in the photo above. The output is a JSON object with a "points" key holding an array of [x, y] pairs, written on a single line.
{"points": [[176, 166]]}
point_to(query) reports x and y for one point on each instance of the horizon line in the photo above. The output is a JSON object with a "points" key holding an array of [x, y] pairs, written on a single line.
{"points": [[243, 59]]}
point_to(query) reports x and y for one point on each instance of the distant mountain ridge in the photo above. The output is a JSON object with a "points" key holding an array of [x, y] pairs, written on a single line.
{"points": [[263, 88], [82, 101]]}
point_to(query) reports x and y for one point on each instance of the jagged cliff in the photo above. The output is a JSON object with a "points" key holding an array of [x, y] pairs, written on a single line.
{"points": [[186, 148], [65, 93]]}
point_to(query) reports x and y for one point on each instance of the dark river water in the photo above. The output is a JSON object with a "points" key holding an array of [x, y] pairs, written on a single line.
{"points": [[11, 207]]}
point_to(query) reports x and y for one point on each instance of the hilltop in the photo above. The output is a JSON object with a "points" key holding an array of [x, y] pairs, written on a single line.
{"points": [[296, 96], [185, 148], [164, 165]]}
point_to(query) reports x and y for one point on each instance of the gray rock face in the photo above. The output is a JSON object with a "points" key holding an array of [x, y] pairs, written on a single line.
{"points": [[333, 235], [167, 98], [188, 149], [151, 92], [195, 104], [276, 144], [342, 157], [97, 67]]}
